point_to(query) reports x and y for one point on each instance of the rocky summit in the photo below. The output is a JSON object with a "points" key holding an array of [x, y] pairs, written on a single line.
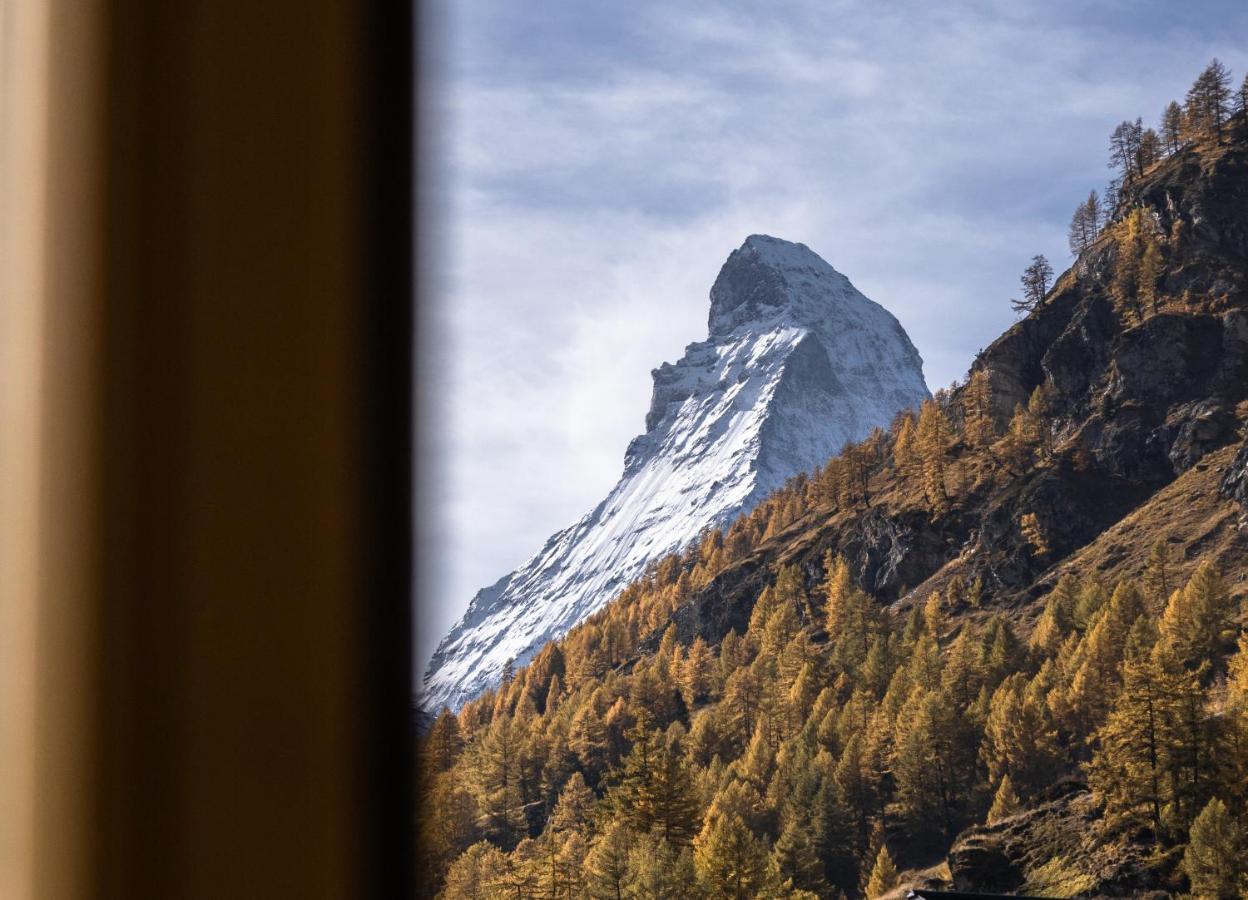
{"points": [[796, 364]]}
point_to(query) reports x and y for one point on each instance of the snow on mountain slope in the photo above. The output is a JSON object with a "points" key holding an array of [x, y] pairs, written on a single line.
{"points": [[796, 363]]}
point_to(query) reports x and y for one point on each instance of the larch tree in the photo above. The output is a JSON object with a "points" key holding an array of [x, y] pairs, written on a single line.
{"points": [[1149, 151], [883, 877], [1005, 802], [1197, 619], [934, 437], [659, 871], [496, 769], [476, 874], [730, 861], [1085, 224], [981, 426], [1124, 148], [1157, 577], [606, 866], [1128, 771], [1172, 127], [1035, 282], [444, 742], [1215, 854], [1209, 100], [1020, 738]]}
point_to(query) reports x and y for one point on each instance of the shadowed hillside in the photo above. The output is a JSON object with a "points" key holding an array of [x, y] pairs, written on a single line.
{"points": [[996, 646]]}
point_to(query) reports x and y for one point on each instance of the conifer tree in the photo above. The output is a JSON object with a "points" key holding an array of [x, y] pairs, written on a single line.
{"points": [[981, 427], [444, 743], [1208, 100], [883, 877], [1020, 740], [1151, 269], [1098, 677], [1018, 445], [1128, 771], [905, 454], [1150, 149], [835, 843], [1033, 533], [497, 781], [1157, 577], [1124, 148], [730, 861], [573, 811], [659, 871], [696, 673], [1172, 127], [1005, 802], [1035, 281], [837, 588], [1057, 620], [1196, 619], [476, 874], [795, 858], [933, 444], [1216, 850], [1085, 224], [606, 866]]}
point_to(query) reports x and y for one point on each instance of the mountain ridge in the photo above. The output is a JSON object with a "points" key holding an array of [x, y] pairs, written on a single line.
{"points": [[797, 362], [1003, 635]]}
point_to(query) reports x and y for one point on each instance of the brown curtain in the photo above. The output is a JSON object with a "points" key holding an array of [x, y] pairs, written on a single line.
{"points": [[203, 581]]}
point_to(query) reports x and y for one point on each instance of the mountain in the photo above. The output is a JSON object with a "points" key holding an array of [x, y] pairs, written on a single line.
{"points": [[1000, 648], [797, 362]]}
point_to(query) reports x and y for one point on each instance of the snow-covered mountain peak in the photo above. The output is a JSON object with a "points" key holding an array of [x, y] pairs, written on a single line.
{"points": [[768, 280], [797, 362]]}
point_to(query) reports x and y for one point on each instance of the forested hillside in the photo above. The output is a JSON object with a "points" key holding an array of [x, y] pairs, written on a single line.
{"points": [[997, 646]]}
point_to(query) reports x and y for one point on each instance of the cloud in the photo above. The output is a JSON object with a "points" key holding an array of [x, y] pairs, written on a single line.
{"points": [[596, 162]]}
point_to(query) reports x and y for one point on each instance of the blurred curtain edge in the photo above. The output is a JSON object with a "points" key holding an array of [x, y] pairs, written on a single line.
{"points": [[205, 437]]}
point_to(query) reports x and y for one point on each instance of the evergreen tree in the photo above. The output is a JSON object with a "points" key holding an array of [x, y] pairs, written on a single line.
{"points": [[444, 743], [883, 876], [1124, 148], [1150, 149], [1128, 770], [1085, 224], [1172, 127], [905, 454], [1020, 740], [659, 871], [574, 809], [1197, 619], [730, 861], [607, 865], [497, 781], [1208, 100], [1215, 857], [1158, 575], [1057, 620], [933, 441], [1005, 802], [795, 857], [1035, 281], [981, 426], [476, 874]]}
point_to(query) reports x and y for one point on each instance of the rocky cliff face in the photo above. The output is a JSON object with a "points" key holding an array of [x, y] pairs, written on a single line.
{"points": [[796, 363], [1136, 402], [1147, 418]]}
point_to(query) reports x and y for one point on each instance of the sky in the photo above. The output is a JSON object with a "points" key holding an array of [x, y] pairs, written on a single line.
{"points": [[587, 167]]}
